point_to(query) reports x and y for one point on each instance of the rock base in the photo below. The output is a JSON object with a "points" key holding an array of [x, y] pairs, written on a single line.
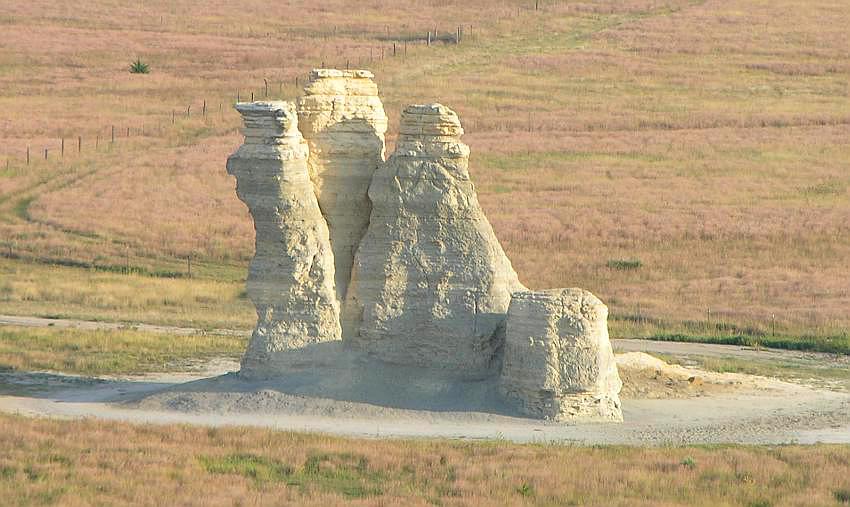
{"points": [[558, 363]]}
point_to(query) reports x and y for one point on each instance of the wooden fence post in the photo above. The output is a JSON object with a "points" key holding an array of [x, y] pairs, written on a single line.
{"points": [[28, 155], [62, 148]]}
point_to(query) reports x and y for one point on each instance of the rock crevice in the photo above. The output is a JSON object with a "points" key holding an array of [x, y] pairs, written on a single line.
{"points": [[343, 120]]}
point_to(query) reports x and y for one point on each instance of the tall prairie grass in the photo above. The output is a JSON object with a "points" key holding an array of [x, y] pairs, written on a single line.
{"points": [[88, 462], [707, 140]]}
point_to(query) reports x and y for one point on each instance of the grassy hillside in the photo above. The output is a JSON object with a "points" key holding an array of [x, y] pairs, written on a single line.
{"points": [[685, 160]]}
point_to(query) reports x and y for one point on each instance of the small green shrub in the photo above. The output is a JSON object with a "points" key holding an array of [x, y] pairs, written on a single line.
{"points": [[624, 264], [139, 67], [842, 495], [688, 462], [526, 489]]}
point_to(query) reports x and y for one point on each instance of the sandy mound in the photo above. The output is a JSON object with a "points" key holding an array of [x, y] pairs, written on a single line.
{"points": [[357, 386], [647, 377]]}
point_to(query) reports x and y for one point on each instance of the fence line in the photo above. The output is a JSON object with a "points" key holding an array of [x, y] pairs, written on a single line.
{"points": [[399, 49]]}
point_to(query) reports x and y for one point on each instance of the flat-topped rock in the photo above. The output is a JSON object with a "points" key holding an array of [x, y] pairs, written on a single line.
{"points": [[558, 363]]}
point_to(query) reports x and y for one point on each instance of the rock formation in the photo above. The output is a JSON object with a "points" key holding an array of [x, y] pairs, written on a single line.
{"points": [[558, 363], [361, 262], [343, 121], [430, 284], [291, 276]]}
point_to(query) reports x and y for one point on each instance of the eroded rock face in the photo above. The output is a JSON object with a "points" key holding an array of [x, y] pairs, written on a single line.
{"points": [[430, 284], [343, 120], [396, 260], [558, 363], [292, 274]]}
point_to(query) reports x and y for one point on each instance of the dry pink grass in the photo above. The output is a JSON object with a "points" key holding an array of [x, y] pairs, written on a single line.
{"points": [[85, 462], [709, 139]]}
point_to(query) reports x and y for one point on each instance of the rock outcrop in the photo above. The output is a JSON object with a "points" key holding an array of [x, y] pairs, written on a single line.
{"points": [[558, 362], [361, 262], [343, 121], [291, 278], [431, 284]]}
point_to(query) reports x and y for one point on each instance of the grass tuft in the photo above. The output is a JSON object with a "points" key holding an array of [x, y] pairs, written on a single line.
{"points": [[688, 462], [525, 489]]}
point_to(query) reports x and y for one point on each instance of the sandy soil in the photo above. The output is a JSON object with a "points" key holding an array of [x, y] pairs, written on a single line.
{"points": [[662, 404]]}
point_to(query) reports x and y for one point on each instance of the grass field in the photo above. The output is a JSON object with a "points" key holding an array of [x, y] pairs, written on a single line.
{"points": [[85, 462], [119, 352], [685, 160]]}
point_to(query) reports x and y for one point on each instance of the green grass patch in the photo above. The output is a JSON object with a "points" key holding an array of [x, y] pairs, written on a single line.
{"points": [[624, 264], [103, 352], [21, 209], [824, 188], [342, 473], [836, 344], [791, 369]]}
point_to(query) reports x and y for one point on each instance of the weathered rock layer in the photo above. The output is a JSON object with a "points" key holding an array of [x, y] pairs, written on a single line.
{"points": [[361, 262], [343, 121], [558, 362], [292, 274], [430, 284]]}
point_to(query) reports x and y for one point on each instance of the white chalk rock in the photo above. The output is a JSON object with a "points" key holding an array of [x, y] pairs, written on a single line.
{"points": [[430, 284], [343, 121], [291, 278], [558, 363]]}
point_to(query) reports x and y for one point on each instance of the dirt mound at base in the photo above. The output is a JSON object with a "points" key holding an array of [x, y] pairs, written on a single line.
{"points": [[647, 377]]}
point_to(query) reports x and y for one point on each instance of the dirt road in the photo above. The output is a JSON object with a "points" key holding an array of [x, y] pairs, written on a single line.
{"points": [[765, 412]]}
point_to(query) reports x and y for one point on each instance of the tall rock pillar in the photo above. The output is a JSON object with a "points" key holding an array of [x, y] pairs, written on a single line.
{"points": [[343, 121], [291, 278], [431, 284]]}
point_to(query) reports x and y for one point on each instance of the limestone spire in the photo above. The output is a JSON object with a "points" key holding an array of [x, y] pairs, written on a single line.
{"points": [[343, 120], [291, 276], [431, 283]]}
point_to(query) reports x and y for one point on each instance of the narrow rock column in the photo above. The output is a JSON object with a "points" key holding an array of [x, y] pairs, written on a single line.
{"points": [[431, 283], [343, 121], [291, 276], [558, 362]]}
